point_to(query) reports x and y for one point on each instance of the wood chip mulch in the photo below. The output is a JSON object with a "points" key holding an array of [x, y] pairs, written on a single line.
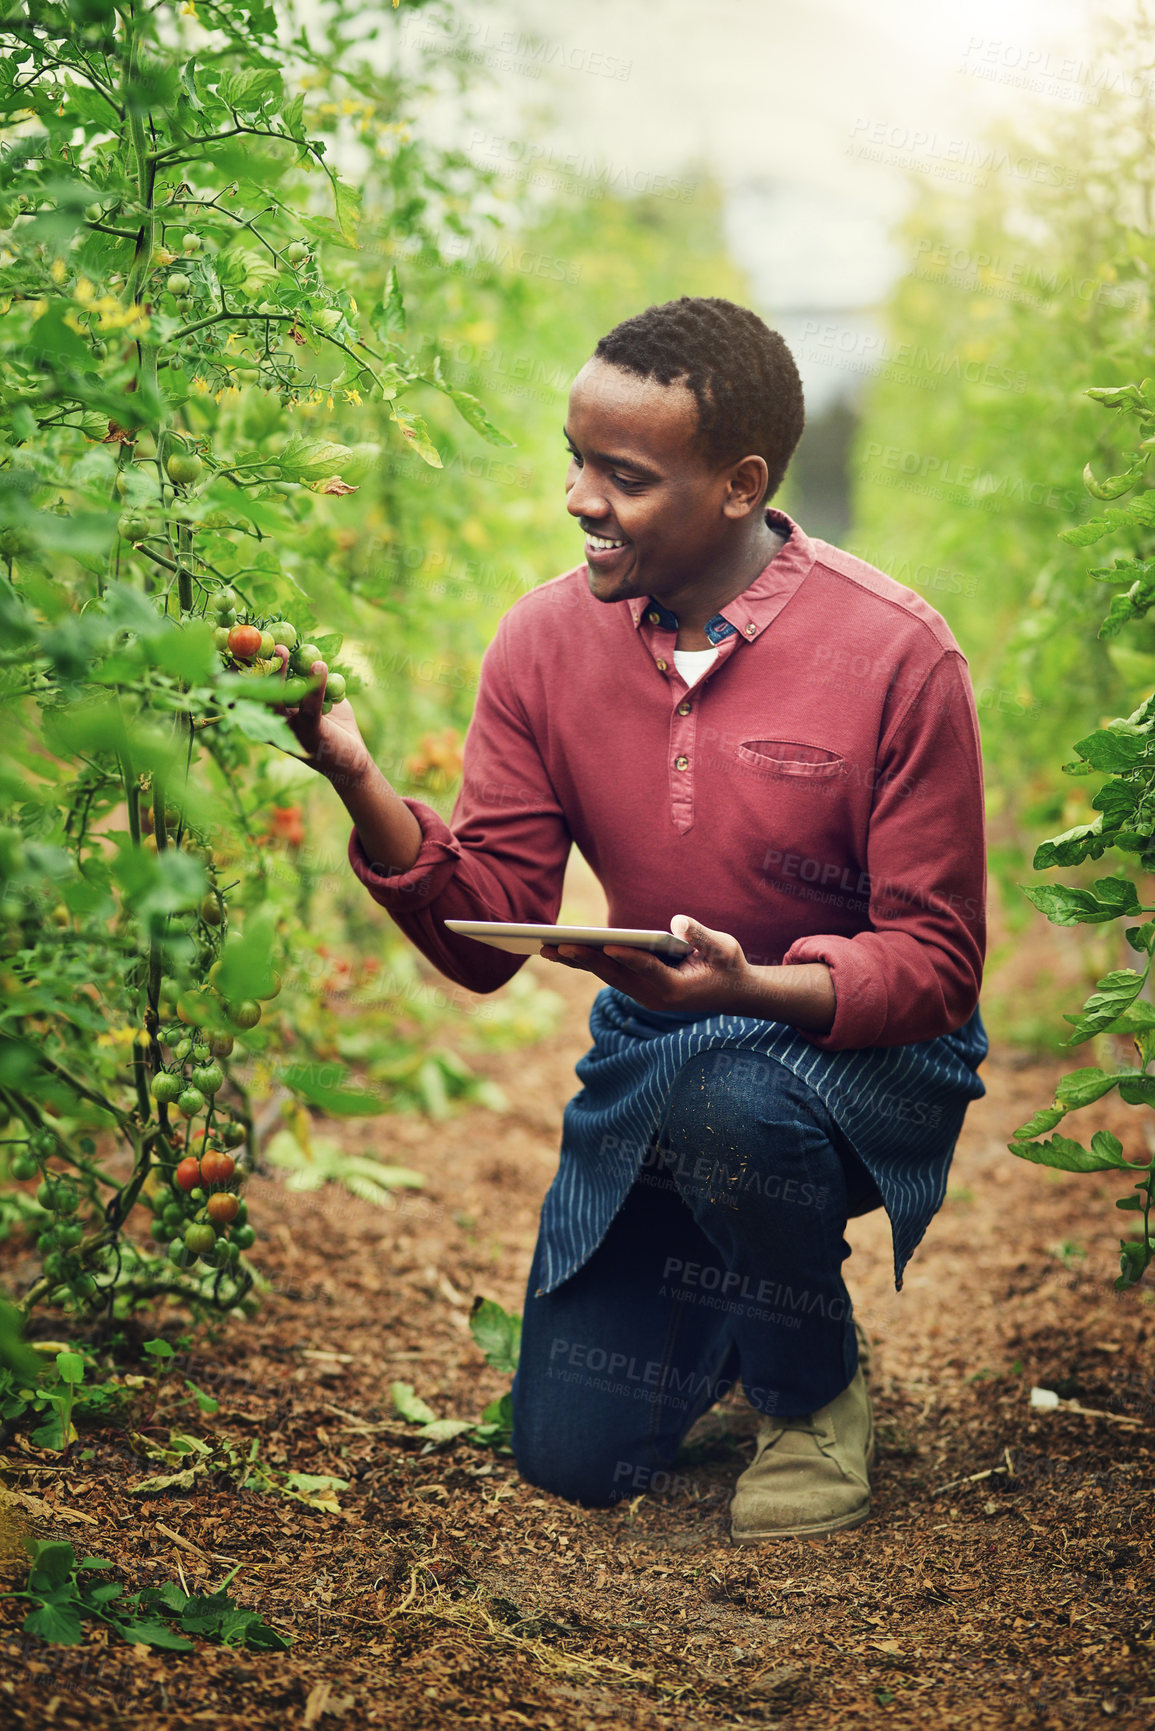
{"points": [[1004, 1579]]}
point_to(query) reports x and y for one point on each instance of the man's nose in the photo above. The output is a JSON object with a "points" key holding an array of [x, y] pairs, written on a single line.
{"points": [[583, 498]]}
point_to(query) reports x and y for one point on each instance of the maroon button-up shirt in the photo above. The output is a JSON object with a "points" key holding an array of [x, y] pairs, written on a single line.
{"points": [[817, 794]]}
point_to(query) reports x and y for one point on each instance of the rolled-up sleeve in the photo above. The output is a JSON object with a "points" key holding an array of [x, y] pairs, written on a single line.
{"points": [[916, 973], [501, 856]]}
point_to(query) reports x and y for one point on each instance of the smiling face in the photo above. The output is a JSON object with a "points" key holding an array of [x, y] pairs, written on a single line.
{"points": [[659, 517]]}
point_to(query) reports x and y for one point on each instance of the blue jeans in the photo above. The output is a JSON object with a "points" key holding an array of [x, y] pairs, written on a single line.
{"points": [[724, 1261]]}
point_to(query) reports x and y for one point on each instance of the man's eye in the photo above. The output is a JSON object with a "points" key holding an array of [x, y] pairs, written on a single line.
{"points": [[628, 483], [573, 456]]}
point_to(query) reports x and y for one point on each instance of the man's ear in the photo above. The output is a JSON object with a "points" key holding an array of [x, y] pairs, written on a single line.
{"points": [[746, 487]]}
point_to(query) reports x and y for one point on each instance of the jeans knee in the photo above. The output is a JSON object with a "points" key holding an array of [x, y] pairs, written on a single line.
{"points": [[717, 1096], [571, 1475]]}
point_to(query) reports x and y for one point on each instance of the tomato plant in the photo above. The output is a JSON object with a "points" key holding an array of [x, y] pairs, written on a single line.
{"points": [[166, 300], [1123, 753]]}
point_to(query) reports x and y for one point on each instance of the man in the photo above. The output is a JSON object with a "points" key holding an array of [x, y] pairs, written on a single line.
{"points": [[769, 747]]}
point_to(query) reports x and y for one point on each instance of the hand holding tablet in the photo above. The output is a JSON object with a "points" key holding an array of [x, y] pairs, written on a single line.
{"points": [[526, 940]]}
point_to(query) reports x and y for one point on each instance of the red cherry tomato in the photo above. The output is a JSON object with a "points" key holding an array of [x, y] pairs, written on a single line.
{"points": [[188, 1173], [244, 642], [217, 1168]]}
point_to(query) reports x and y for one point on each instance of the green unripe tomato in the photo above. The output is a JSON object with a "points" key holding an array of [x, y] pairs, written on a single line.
{"points": [[284, 633], [83, 1286], [179, 1253], [93, 212], [304, 657], [133, 525], [25, 1166], [160, 1230], [196, 1194], [201, 1053], [211, 909], [220, 1045], [241, 1217], [246, 1013], [272, 988], [296, 252], [178, 283], [71, 1235], [44, 1143], [190, 243], [244, 1237], [199, 1237], [182, 1051], [53, 1265], [209, 1078], [166, 1088], [190, 1102], [226, 601], [47, 1242], [335, 687], [172, 1219], [184, 468], [221, 638], [268, 644]]}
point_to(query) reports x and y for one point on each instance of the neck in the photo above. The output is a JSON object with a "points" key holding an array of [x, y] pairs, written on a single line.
{"points": [[696, 604]]}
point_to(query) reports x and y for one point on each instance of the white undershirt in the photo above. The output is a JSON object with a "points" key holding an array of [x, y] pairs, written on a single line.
{"points": [[692, 663]]}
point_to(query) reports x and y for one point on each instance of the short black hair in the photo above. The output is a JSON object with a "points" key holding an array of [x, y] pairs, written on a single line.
{"points": [[742, 374]]}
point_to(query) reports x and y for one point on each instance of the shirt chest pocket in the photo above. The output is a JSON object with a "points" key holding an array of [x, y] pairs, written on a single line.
{"points": [[787, 757]]}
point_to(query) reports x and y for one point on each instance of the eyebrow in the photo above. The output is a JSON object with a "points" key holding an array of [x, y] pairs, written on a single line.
{"points": [[619, 462]]}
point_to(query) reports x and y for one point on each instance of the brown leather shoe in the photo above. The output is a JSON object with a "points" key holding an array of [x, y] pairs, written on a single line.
{"points": [[810, 1474]]}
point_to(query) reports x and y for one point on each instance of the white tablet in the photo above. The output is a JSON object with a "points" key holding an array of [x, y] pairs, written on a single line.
{"points": [[527, 940]]}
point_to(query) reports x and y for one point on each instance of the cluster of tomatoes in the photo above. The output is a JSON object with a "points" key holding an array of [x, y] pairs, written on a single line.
{"points": [[60, 1238], [250, 645], [196, 1210]]}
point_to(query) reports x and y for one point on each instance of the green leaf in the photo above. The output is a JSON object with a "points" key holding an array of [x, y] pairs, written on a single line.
{"points": [[347, 207], [53, 1561], [471, 411], [1114, 994], [70, 1367], [158, 1349], [1114, 748], [1070, 848], [413, 429], [390, 314], [1138, 1090], [310, 459], [246, 962], [1068, 1156], [154, 1634], [1080, 1087], [323, 1085], [1045, 1119], [1108, 1148], [57, 1621], [1137, 1020], [409, 1404], [1064, 905], [497, 1332]]}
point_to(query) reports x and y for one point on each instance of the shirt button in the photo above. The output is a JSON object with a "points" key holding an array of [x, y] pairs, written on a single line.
{"points": [[653, 617], [751, 628], [661, 666], [683, 709], [681, 763]]}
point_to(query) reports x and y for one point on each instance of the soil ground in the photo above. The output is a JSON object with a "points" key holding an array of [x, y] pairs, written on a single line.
{"points": [[1004, 1578]]}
